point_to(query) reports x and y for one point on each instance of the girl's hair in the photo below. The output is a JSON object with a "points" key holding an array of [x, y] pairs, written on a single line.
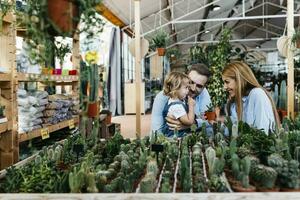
{"points": [[245, 81], [173, 83]]}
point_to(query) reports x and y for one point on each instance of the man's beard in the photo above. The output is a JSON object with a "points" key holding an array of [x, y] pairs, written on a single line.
{"points": [[193, 94]]}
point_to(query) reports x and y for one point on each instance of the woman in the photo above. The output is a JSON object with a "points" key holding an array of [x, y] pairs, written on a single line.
{"points": [[248, 101]]}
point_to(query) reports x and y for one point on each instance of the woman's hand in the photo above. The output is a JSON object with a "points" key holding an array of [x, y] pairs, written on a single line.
{"points": [[175, 123]]}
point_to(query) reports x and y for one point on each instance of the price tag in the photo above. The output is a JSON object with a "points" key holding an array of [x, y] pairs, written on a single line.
{"points": [[45, 133], [71, 124]]}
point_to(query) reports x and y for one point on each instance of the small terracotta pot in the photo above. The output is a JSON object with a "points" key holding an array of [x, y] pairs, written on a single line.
{"points": [[210, 116], [161, 51], [93, 109]]}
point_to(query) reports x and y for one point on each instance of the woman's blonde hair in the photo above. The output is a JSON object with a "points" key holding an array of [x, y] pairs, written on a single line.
{"points": [[245, 81], [173, 83]]}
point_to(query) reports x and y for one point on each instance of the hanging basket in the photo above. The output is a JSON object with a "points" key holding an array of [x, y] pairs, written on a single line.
{"points": [[63, 15], [161, 51]]}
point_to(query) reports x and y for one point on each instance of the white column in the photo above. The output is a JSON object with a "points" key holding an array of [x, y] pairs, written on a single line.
{"points": [[137, 20], [290, 59]]}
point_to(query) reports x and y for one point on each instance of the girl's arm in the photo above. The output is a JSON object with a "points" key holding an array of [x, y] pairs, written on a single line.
{"points": [[189, 118]]}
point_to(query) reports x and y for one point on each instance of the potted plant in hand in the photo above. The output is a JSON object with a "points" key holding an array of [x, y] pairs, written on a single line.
{"points": [[159, 41], [91, 59], [210, 114], [296, 38]]}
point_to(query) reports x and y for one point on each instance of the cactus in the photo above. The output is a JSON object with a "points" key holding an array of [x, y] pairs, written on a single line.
{"points": [[148, 183], [125, 166], [210, 154], [152, 167], [297, 153], [91, 184], [275, 161], [38, 160], [243, 151], [245, 166], [166, 187], [76, 180], [235, 166], [289, 174], [50, 154], [265, 176]]}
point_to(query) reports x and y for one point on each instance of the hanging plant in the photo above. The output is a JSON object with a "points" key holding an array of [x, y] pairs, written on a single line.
{"points": [[173, 54], [159, 41], [42, 26]]}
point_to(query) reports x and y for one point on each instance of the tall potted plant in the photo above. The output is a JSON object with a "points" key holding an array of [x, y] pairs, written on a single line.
{"points": [[91, 58], [159, 41], [218, 58]]}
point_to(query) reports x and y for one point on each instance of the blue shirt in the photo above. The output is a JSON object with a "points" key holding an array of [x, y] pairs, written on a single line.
{"points": [[160, 101], [257, 110]]}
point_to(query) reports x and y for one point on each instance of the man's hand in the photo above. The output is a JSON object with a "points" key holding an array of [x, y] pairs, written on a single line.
{"points": [[175, 123]]}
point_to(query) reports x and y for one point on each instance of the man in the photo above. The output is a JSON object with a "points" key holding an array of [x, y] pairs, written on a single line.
{"points": [[199, 75]]}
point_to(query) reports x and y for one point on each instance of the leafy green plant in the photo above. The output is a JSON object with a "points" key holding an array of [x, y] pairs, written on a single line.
{"points": [[296, 36], [218, 59], [210, 108], [61, 51], [159, 40], [173, 54]]}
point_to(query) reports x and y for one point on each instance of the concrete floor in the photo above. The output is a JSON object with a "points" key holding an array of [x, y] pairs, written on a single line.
{"points": [[128, 129]]}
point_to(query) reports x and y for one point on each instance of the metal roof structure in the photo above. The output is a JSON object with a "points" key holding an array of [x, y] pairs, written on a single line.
{"points": [[254, 23]]}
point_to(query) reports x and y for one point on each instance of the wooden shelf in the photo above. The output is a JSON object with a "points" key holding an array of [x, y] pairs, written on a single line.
{"points": [[9, 18], [5, 77], [40, 78], [4, 127], [37, 133]]}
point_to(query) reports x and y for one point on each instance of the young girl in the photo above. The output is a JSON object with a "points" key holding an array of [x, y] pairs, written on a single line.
{"points": [[176, 87]]}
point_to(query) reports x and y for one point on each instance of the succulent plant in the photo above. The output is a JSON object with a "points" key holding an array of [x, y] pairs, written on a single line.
{"points": [[211, 157], [76, 180], [125, 166], [289, 174], [38, 160], [217, 184], [199, 184], [243, 151], [245, 166], [148, 183], [166, 187], [265, 176], [297, 153], [152, 167], [91, 183]]}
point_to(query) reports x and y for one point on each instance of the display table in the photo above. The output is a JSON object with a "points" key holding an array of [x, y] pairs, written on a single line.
{"points": [[185, 196]]}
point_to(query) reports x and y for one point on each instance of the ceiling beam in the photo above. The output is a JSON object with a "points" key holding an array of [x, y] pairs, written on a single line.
{"points": [[206, 13], [110, 16]]}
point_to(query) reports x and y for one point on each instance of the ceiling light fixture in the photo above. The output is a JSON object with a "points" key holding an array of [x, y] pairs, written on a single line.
{"points": [[207, 31], [216, 7], [258, 47]]}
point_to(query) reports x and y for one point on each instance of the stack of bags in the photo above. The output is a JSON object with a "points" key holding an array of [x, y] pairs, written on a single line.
{"points": [[58, 109], [30, 109]]}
